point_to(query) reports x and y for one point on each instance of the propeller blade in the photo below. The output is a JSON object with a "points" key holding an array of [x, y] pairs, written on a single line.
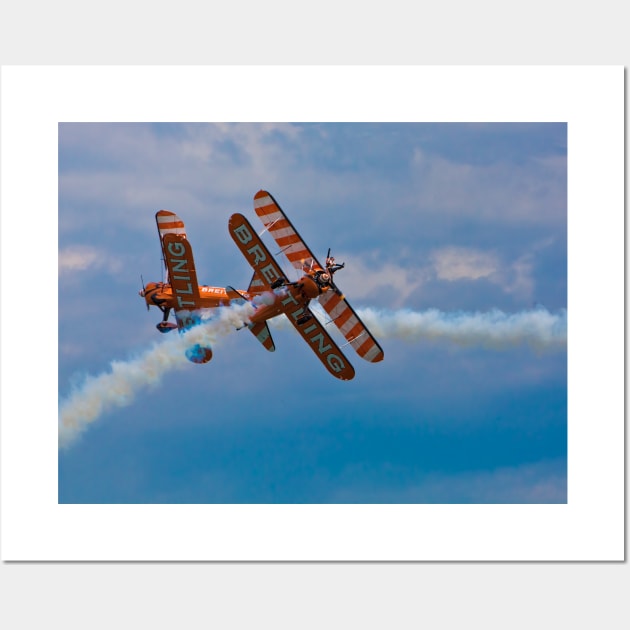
{"points": [[143, 289]]}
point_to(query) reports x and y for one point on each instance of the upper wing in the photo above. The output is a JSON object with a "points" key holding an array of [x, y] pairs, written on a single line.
{"points": [[282, 230], [267, 269], [341, 313], [181, 270], [323, 346], [351, 326], [168, 223], [183, 279]]}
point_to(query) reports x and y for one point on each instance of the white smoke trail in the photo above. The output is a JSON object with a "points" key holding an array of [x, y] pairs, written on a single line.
{"points": [[493, 329], [537, 328], [98, 394]]}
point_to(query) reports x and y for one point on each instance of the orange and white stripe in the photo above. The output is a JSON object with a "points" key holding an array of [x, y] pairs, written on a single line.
{"points": [[299, 255], [169, 223], [351, 327], [282, 231]]}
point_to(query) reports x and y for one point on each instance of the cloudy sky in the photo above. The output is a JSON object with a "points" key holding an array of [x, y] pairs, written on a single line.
{"points": [[449, 232]]}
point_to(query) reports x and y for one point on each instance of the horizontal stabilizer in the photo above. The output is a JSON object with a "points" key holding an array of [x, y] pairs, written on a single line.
{"points": [[235, 295], [261, 332]]}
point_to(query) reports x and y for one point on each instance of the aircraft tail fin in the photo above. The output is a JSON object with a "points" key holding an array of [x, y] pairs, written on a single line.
{"points": [[257, 285]]}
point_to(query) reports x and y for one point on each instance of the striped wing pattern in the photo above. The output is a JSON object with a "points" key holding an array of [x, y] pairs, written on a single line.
{"points": [[299, 255], [283, 232], [169, 223], [351, 327]]}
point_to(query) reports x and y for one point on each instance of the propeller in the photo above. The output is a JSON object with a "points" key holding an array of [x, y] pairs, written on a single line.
{"points": [[143, 290]]}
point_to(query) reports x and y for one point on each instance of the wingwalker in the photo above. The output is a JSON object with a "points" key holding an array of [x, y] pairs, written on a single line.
{"points": [[269, 292]]}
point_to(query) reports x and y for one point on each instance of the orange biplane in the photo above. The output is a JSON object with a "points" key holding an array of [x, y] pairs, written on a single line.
{"points": [[270, 292], [181, 293]]}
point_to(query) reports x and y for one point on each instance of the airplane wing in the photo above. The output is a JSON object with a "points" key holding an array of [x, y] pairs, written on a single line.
{"points": [[299, 255], [323, 346], [351, 326], [265, 267], [268, 271], [182, 274], [183, 279], [168, 223], [283, 232]]}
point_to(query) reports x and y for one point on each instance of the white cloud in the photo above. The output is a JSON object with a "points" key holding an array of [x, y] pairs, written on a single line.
{"points": [[461, 263], [372, 279], [519, 280], [530, 193], [129, 170], [391, 283], [77, 258]]}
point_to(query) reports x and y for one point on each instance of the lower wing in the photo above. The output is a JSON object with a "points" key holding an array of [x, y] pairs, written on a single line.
{"points": [[323, 346], [351, 326]]}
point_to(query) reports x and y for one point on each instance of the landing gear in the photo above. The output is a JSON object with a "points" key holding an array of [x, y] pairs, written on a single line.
{"points": [[302, 320], [165, 326]]}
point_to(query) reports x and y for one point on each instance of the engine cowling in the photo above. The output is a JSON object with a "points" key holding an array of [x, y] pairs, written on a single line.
{"points": [[309, 287]]}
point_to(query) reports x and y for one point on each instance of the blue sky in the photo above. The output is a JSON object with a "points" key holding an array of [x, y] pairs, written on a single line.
{"points": [[455, 217]]}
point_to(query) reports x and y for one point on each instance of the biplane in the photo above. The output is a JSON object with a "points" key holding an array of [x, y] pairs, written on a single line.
{"points": [[293, 299], [180, 293], [270, 292]]}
